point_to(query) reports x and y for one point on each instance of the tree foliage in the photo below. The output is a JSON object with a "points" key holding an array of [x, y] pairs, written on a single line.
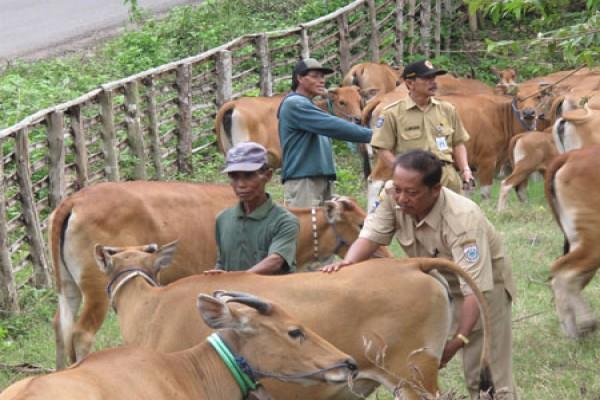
{"points": [[561, 32]]}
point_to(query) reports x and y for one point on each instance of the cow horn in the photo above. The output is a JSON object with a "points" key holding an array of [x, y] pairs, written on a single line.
{"points": [[244, 298]]}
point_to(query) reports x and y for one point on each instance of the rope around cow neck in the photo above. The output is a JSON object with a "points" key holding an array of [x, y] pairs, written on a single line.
{"points": [[111, 293], [245, 382]]}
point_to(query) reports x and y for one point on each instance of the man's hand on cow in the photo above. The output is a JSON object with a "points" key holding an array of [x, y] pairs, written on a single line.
{"points": [[450, 350], [213, 272], [335, 266]]}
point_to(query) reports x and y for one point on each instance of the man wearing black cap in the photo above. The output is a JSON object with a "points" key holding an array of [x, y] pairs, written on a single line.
{"points": [[421, 121], [256, 235], [305, 133]]}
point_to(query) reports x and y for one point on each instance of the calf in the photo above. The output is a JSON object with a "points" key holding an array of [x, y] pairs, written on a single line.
{"points": [[393, 304], [571, 188], [271, 342], [134, 213], [528, 152]]}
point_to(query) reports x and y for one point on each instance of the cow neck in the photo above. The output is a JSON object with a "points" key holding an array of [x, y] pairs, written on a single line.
{"points": [[238, 366], [126, 275], [339, 241]]}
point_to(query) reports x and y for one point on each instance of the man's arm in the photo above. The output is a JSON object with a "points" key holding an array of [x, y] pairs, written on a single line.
{"points": [[314, 120], [269, 265], [469, 315], [360, 250], [386, 156], [462, 162]]}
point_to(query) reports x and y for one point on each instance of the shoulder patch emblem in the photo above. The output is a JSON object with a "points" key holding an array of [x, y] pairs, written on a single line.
{"points": [[471, 252], [379, 122]]}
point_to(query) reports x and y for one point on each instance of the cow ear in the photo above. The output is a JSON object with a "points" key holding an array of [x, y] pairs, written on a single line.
{"points": [[216, 313], [494, 71], [165, 255], [103, 256], [332, 94], [332, 211]]}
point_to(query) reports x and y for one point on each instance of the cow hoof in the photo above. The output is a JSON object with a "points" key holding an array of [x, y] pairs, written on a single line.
{"points": [[587, 326]]}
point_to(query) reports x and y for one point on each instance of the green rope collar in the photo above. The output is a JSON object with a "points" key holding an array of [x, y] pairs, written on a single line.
{"points": [[330, 107], [245, 383]]}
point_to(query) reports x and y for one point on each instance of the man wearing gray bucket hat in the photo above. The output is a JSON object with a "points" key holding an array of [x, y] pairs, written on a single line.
{"points": [[305, 133], [256, 235]]}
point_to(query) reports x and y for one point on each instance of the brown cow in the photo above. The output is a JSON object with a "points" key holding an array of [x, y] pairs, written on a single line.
{"points": [[507, 78], [528, 152], [577, 128], [295, 354], [372, 78], [378, 303], [255, 119], [571, 190], [133, 213]]}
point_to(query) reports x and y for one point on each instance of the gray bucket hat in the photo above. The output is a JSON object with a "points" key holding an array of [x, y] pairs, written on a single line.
{"points": [[245, 156]]}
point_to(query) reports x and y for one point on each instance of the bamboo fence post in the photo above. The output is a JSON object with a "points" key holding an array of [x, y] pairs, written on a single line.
{"points": [[8, 289], [412, 15], [342, 21], [437, 17], [81, 154], [41, 277], [374, 42], [224, 77], [399, 30], [304, 43], [111, 166], [134, 130], [426, 27], [266, 79], [450, 18], [184, 118], [153, 128], [56, 158]]}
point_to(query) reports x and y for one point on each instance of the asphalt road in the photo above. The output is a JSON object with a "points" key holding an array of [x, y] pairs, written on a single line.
{"points": [[38, 28]]}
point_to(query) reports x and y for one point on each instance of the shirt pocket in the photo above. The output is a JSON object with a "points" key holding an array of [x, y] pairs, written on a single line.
{"points": [[411, 134]]}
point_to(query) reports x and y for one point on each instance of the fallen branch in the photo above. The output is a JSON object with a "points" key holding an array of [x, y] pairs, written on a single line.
{"points": [[26, 368]]}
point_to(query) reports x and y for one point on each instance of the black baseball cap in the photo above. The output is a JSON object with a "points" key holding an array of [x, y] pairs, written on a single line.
{"points": [[310, 64], [421, 69]]}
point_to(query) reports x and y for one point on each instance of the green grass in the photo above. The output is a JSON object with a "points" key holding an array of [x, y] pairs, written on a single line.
{"points": [[547, 365]]}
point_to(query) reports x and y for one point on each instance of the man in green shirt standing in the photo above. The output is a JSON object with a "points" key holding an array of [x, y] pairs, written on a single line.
{"points": [[256, 235]]}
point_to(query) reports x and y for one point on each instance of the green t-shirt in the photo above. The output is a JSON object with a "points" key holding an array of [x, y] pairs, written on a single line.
{"points": [[244, 240]]}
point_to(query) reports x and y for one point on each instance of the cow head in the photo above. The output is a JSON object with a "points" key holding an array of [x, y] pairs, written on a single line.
{"points": [[151, 258], [533, 104], [345, 103], [272, 342], [507, 78]]}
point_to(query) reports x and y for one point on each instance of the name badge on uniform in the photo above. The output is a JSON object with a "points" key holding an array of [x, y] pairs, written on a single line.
{"points": [[471, 252], [379, 122], [441, 143]]}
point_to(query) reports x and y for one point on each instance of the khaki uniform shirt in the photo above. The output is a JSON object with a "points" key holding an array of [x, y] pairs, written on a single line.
{"points": [[455, 229], [403, 127]]}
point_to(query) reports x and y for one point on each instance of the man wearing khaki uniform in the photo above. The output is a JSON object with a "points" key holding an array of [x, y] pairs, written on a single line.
{"points": [[421, 121], [431, 221]]}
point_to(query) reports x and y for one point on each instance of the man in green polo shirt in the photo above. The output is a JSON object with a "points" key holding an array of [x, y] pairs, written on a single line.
{"points": [[256, 235]]}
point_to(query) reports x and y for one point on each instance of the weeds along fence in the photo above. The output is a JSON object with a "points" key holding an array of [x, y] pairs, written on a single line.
{"points": [[149, 125]]}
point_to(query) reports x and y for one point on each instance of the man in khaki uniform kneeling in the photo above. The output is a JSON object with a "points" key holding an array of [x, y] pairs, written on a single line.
{"points": [[429, 220]]}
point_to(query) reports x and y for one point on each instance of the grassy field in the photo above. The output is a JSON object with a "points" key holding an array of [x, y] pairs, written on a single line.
{"points": [[546, 364]]}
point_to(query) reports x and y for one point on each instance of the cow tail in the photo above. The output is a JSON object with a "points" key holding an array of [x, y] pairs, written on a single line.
{"points": [[223, 119], [550, 192], [428, 264], [57, 227], [511, 148]]}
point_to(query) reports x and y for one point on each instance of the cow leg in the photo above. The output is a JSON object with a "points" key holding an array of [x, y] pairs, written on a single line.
{"points": [[485, 175], [505, 188], [423, 378], [522, 191], [572, 273], [69, 300], [373, 189], [95, 307], [585, 319]]}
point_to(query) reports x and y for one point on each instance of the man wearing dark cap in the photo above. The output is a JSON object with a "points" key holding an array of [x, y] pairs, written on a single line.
{"points": [[256, 235], [421, 121], [305, 132]]}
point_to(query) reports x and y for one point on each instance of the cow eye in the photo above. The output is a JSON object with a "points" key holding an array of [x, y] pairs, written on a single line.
{"points": [[342, 103], [296, 334]]}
